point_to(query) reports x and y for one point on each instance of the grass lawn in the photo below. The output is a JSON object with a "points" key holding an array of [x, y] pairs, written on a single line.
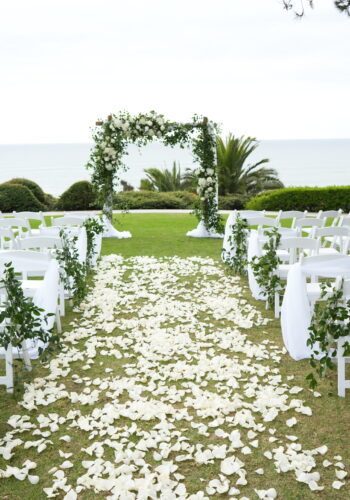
{"points": [[164, 235]]}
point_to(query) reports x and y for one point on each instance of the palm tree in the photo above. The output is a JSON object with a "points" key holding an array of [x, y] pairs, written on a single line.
{"points": [[234, 176], [166, 180]]}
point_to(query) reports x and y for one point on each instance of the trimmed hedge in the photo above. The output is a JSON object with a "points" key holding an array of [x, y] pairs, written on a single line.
{"points": [[19, 198], [136, 200], [79, 196], [33, 186], [303, 198]]}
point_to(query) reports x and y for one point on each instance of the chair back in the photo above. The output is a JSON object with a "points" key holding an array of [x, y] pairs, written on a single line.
{"points": [[296, 247], [247, 214], [262, 221], [67, 221], [25, 261], [18, 223], [41, 243], [308, 222], [31, 215]]}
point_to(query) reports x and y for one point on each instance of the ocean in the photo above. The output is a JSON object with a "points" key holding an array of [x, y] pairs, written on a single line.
{"points": [[56, 166]]}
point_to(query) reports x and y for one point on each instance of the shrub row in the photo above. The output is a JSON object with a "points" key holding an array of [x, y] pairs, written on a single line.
{"points": [[303, 198], [134, 200]]}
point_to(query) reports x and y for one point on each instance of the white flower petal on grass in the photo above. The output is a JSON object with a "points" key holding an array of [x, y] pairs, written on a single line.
{"points": [[291, 422], [341, 474], [337, 485], [326, 463], [66, 465], [260, 471], [33, 479]]}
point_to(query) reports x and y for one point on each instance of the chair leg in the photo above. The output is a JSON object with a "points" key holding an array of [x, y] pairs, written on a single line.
{"points": [[58, 321], [9, 369], [25, 356], [341, 372], [277, 305], [61, 297]]}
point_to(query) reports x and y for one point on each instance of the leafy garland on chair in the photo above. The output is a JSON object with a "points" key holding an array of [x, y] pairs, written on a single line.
{"points": [[21, 319], [329, 323], [72, 271], [112, 137], [93, 227], [236, 256], [265, 266]]}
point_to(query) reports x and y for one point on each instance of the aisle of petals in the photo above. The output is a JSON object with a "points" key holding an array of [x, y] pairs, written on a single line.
{"points": [[170, 399]]}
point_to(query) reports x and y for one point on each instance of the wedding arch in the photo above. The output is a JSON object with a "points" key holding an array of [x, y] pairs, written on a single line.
{"points": [[111, 138]]}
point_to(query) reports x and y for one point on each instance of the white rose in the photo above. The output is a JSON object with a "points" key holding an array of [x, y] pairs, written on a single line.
{"points": [[150, 132], [159, 134], [210, 171], [109, 166], [210, 189], [142, 121], [209, 180]]}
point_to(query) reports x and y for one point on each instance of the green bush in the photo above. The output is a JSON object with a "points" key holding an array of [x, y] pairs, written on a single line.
{"points": [[50, 202], [79, 196], [232, 202], [134, 200], [19, 198], [33, 186], [303, 198]]}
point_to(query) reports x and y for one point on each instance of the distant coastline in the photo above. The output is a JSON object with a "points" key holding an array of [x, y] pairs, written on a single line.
{"points": [[304, 162]]}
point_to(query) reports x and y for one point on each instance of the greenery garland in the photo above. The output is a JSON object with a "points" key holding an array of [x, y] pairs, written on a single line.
{"points": [[20, 318], [112, 136], [236, 257], [93, 227], [329, 323], [72, 271], [264, 267]]}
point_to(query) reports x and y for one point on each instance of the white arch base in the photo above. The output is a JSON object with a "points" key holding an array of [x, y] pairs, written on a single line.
{"points": [[111, 232], [202, 232]]}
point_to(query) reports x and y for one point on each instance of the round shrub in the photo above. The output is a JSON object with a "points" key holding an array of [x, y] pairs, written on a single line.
{"points": [[79, 196], [19, 198], [303, 198], [33, 186]]}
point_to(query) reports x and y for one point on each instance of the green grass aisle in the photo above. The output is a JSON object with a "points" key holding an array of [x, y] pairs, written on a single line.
{"points": [[167, 359]]}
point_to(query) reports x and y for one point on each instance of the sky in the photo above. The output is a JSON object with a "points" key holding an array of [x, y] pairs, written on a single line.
{"points": [[247, 64]]}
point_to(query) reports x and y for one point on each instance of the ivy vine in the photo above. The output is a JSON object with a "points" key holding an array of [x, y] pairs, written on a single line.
{"points": [[265, 266], [236, 256], [330, 322], [93, 227], [72, 271]]}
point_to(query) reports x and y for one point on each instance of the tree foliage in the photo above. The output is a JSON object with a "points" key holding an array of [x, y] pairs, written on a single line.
{"points": [[167, 180], [233, 173], [298, 6]]}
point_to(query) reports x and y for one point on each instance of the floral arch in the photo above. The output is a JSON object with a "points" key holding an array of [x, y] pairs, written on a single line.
{"points": [[112, 136]]}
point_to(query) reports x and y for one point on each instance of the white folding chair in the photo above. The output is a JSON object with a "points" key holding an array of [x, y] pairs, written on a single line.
{"points": [[330, 214], [262, 222], [67, 221], [313, 287], [32, 216], [306, 224], [8, 240], [296, 248], [45, 244], [20, 226], [337, 236], [10, 353], [291, 214], [343, 382], [28, 263]]}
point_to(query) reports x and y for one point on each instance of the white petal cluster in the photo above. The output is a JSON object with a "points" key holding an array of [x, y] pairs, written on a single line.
{"points": [[159, 377]]}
